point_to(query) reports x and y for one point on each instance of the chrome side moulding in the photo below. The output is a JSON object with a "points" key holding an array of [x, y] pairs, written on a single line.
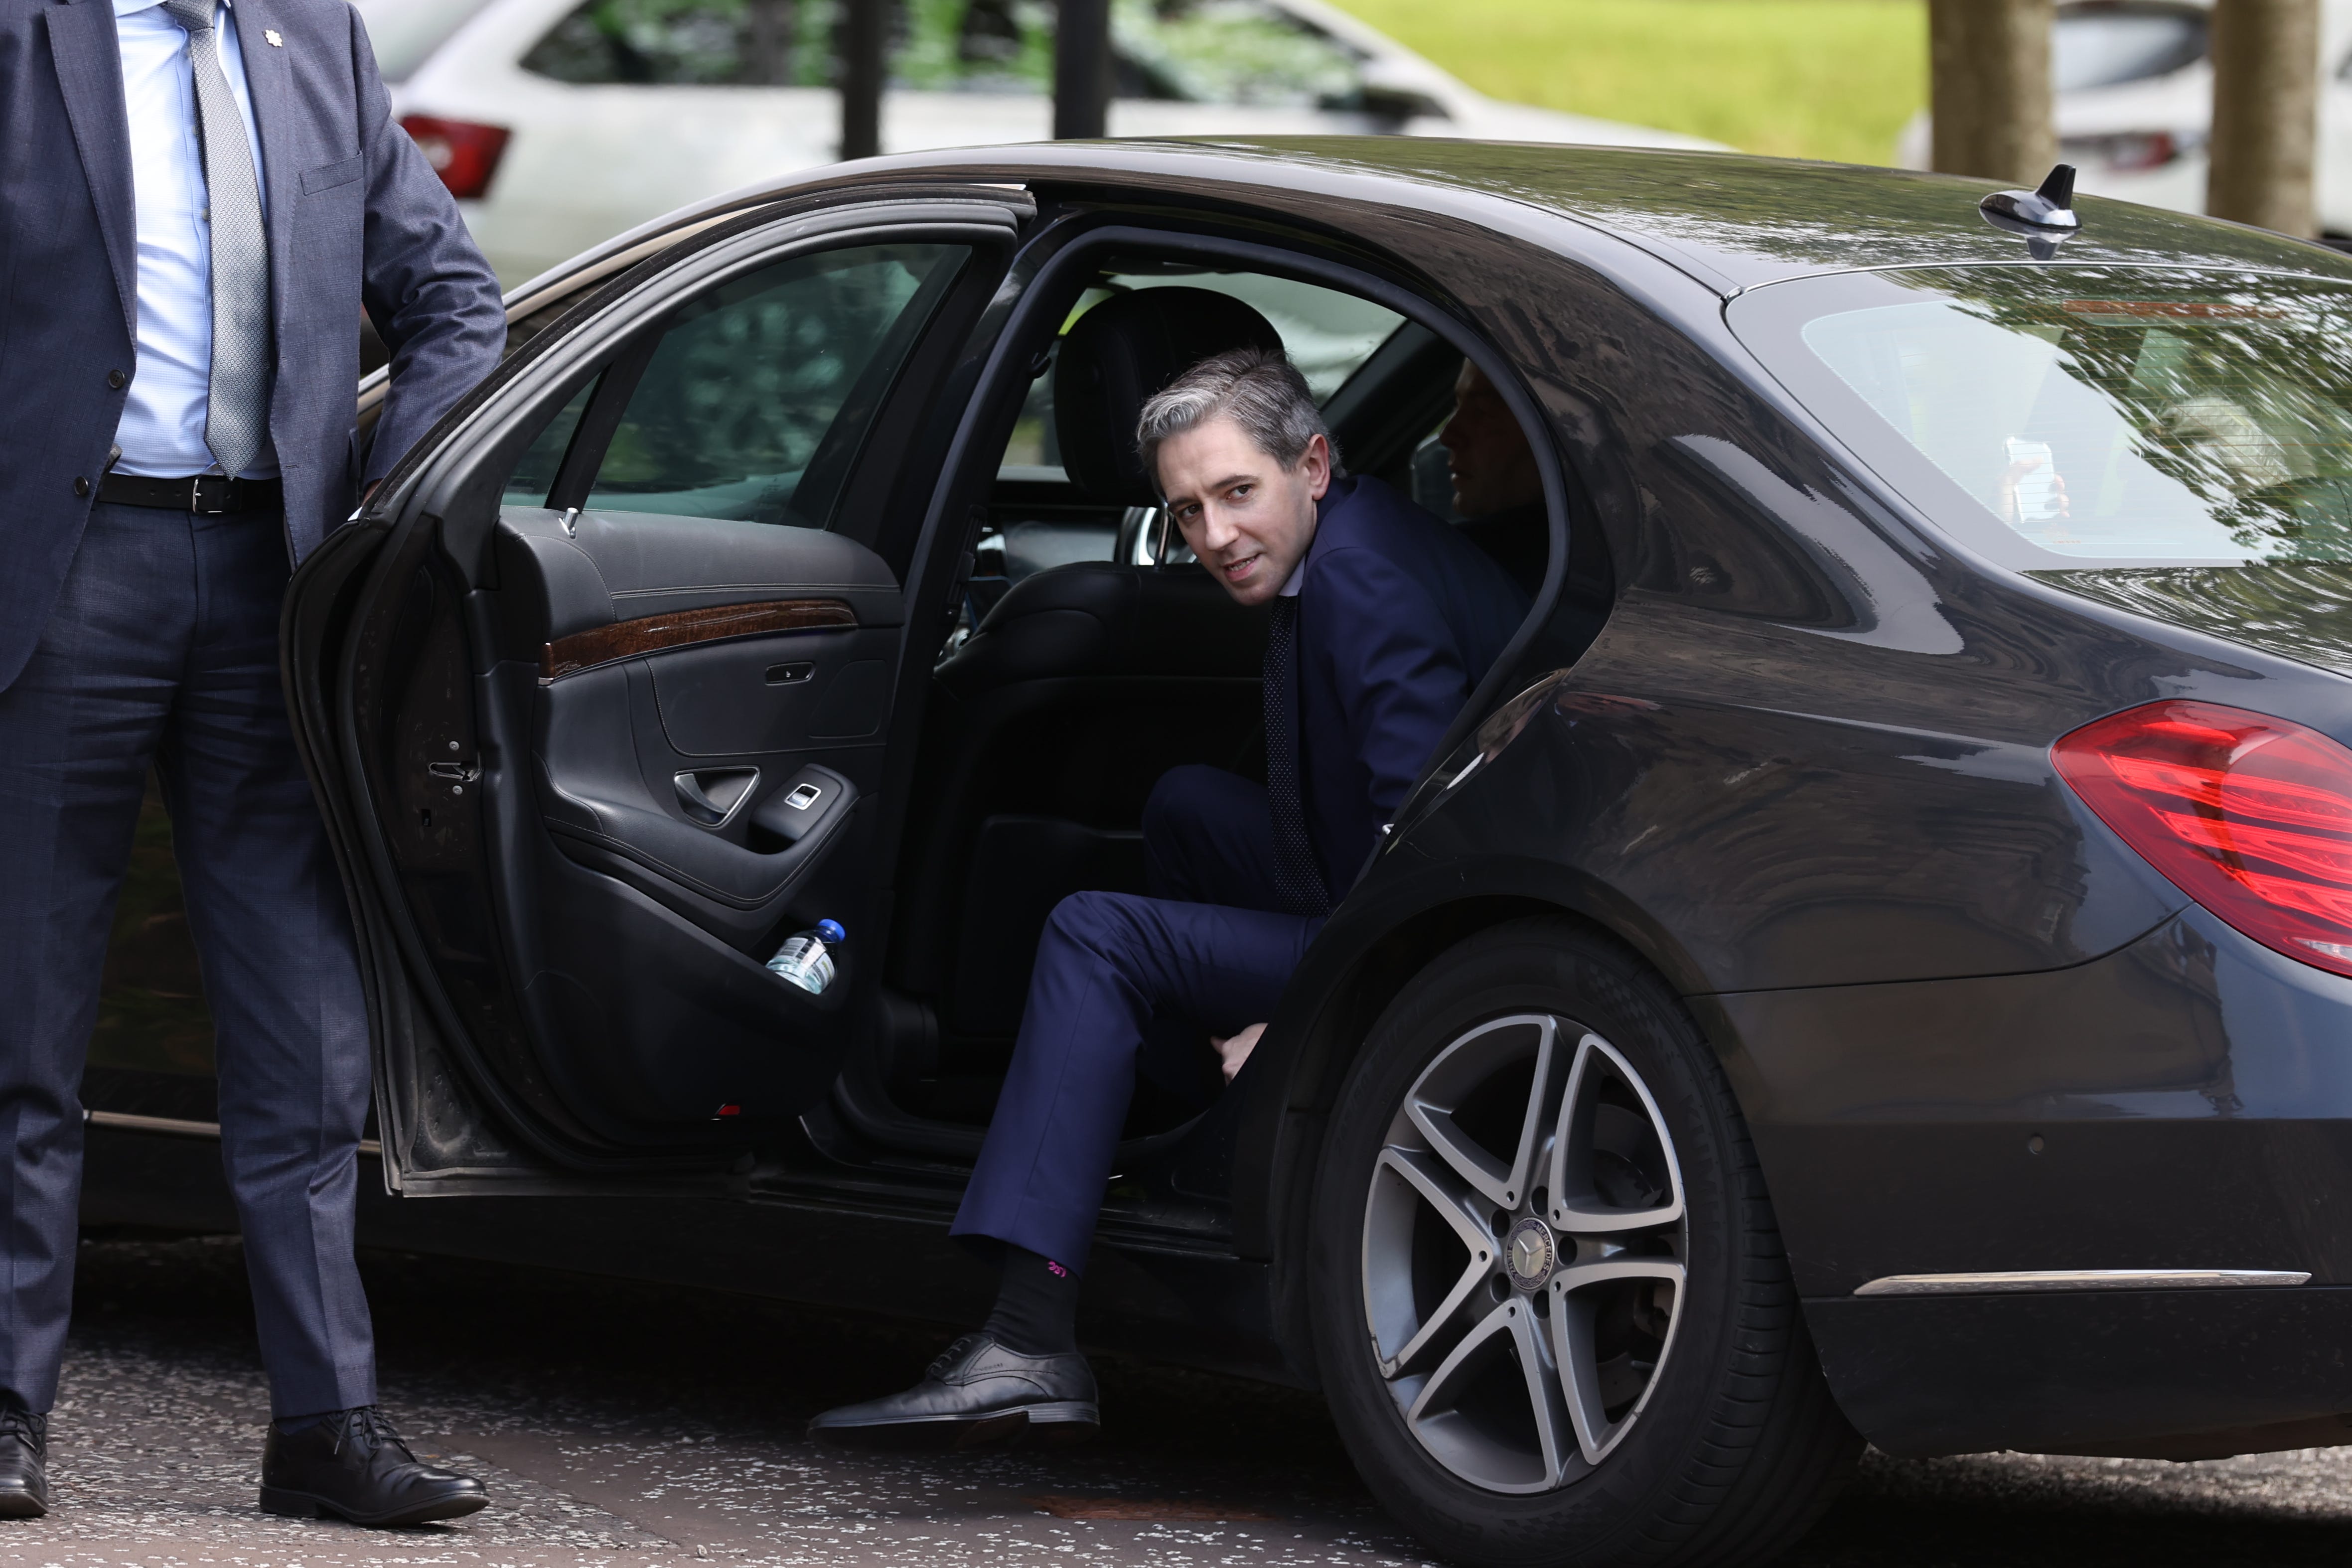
{"points": [[2079, 1279], [179, 1127], [173, 1125]]}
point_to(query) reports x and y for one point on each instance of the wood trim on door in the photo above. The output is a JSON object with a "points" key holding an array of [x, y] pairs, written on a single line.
{"points": [[684, 628]]}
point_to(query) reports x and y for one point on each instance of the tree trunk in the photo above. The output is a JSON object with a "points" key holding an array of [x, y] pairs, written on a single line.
{"points": [[2265, 113], [1989, 65], [774, 29], [1081, 69], [861, 40]]}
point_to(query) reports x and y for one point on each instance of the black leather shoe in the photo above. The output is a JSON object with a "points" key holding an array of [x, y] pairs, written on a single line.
{"points": [[23, 1463], [352, 1465], [978, 1392]]}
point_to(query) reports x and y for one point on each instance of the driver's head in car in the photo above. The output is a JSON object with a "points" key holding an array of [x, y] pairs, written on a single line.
{"points": [[1497, 484], [1381, 619]]}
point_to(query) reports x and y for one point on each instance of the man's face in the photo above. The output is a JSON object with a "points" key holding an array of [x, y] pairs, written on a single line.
{"points": [[1248, 518], [1493, 469]]}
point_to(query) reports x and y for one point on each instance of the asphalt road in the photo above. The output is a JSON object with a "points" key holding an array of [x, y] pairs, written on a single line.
{"points": [[631, 1425]]}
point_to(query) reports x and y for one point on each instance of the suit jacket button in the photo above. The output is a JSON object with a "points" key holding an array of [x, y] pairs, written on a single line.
{"points": [[115, 380], [81, 486]]}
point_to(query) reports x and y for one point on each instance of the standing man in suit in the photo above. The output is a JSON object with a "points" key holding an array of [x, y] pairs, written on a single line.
{"points": [[1383, 621], [200, 197]]}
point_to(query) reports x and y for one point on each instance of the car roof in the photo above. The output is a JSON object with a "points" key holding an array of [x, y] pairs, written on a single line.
{"points": [[1752, 220], [1731, 221]]}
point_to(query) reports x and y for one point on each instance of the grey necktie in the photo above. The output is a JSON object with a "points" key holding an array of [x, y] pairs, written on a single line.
{"points": [[237, 415], [1297, 879]]}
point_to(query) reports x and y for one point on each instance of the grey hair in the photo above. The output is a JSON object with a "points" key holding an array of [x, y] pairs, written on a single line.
{"points": [[1259, 389]]}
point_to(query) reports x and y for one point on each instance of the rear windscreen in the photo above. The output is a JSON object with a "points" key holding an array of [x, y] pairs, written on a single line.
{"points": [[2056, 416]]}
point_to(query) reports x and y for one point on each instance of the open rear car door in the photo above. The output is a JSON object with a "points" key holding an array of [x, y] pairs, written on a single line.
{"points": [[596, 696]]}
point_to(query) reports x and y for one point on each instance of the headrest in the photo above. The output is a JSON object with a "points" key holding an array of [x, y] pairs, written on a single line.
{"points": [[1119, 354]]}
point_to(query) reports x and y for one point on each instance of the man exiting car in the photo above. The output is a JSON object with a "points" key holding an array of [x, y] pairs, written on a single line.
{"points": [[1383, 619]]}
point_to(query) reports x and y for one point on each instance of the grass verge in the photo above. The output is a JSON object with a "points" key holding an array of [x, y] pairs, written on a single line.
{"points": [[1806, 78]]}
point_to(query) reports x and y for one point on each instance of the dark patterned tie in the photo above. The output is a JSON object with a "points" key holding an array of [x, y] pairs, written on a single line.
{"points": [[1296, 878], [236, 413]]}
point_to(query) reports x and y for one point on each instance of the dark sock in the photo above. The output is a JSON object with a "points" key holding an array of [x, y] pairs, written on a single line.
{"points": [[1036, 1305], [289, 1425]]}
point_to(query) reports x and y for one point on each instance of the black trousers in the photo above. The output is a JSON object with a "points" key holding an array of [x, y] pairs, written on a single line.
{"points": [[162, 653]]}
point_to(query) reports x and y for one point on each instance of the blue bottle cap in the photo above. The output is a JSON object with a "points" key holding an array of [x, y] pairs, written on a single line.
{"points": [[831, 931]]}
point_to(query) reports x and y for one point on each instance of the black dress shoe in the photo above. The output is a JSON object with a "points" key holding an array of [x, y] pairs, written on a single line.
{"points": [[352, 1465], [978, 1392], [23, 1463]]}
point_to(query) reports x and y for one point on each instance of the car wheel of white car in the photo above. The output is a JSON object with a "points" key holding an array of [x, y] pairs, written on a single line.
{"points": [[1538, 1223]]}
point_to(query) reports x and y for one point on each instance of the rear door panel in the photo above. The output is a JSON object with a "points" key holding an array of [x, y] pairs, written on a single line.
{"points": [[654, 921], [558, 741]]}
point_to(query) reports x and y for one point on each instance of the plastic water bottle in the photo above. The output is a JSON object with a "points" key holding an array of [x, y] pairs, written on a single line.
{"points": [[806, 960]]}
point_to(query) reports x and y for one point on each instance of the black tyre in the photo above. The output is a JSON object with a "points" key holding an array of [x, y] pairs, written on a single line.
{"points": [[1553, 1316]]}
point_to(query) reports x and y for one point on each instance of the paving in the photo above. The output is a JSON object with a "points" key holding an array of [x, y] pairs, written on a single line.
{"points": [[632, 1426]]}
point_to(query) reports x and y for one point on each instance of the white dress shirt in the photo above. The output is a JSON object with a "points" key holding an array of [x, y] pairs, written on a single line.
{"points": [[162, 428]]}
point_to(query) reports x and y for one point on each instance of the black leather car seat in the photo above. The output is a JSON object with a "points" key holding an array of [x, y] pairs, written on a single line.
{"points": [[1078, 690]]}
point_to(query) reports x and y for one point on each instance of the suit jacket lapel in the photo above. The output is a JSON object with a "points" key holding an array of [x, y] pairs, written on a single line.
{"points": [[268, 79], [90, 76]]}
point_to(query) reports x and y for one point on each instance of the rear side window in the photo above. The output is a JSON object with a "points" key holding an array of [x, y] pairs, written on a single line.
{"points": [[692, 43], [1232, 51], [2055, 414], [1199, 51], [759, 394]]}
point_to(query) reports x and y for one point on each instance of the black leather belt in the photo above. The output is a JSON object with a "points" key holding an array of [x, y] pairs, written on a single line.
{"points": [[208, 494]]}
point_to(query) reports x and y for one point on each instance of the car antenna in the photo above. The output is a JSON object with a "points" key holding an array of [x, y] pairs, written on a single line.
{"points": [[2045, 215]]}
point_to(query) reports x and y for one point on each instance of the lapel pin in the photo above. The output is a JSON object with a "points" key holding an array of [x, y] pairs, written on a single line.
{"points": [[276, 42]]}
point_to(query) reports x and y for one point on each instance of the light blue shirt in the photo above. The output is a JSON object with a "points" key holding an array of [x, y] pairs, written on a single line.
{"points": [[162, 428]]}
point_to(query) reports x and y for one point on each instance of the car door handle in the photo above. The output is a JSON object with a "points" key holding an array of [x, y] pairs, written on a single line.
{"points": [[712, 796]]}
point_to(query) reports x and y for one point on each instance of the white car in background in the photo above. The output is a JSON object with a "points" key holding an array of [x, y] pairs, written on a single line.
{"points": [[559, 123], [2135, 104]]}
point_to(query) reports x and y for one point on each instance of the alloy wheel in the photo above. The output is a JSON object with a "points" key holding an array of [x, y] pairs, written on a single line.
{"points": [[1524, 1253]]}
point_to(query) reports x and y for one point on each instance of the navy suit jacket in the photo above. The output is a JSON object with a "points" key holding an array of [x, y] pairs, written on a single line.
{"points": [[1398, 618], [357, 219]]}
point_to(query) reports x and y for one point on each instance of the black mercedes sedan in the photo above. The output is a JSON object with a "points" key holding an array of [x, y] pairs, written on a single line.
{"points": [[1872, 961]]}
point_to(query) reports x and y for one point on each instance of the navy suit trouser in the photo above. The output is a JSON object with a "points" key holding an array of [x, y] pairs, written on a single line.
{"points": [[1208, 952], [162, 653]]}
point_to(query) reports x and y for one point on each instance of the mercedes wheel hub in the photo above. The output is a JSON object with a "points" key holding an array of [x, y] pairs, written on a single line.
{"points": [[1531, 1254]]}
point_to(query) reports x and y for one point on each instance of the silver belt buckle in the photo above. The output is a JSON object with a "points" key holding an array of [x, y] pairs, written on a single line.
{"points": [[196, 495]]}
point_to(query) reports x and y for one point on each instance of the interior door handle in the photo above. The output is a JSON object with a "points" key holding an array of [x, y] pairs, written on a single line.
{"points": [[712, 796]]}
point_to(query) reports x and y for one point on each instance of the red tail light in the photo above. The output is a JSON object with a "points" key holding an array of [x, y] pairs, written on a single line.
{"points": [[2249, 815], [464, 154]]}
